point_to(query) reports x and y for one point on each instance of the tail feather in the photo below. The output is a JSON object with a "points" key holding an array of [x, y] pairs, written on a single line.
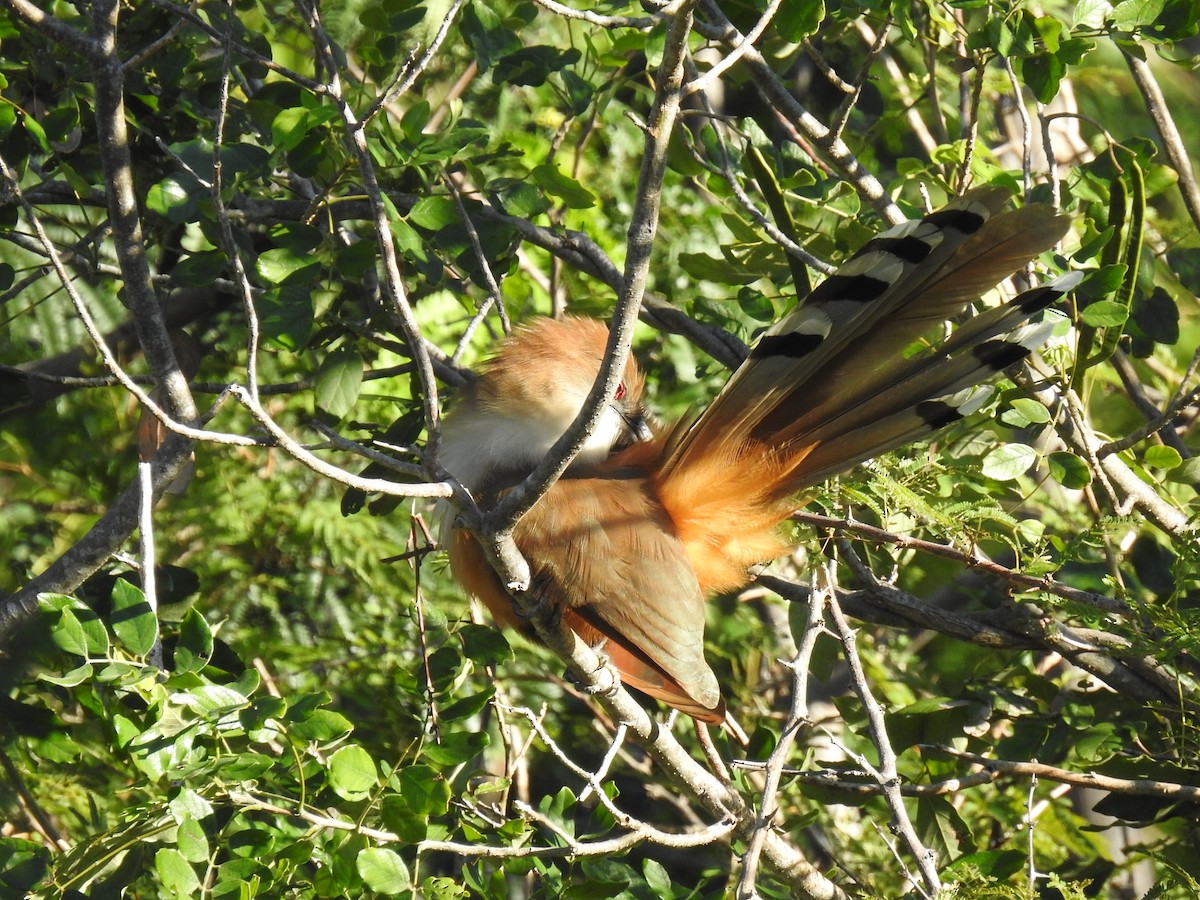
{"points": [[992, 342], [817, 358], [830, 385], [930, 396], [885, 274]]}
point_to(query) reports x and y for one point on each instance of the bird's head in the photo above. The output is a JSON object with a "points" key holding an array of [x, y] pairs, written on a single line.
{"points": [[528, 395]]}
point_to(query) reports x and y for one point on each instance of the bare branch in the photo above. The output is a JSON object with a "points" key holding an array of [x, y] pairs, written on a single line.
{"points": [[1177, 152], [393, 283], [888, 775], [56, 30], [972, 558], [719, 28], [1135, 787], [797, 717], [637, 23], [739, 48]]}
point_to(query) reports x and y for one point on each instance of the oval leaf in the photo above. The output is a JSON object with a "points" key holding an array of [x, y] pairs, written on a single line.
{"points": [[1163, 457], [568, 190], [282, 265], [383, 870], [338, 381], [1105, 314], [1009, 461], [133, 621], [1069, 470], [352, 773]]}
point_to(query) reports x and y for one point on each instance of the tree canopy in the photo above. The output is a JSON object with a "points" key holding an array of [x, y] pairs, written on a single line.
{"points": [[249, 251]]}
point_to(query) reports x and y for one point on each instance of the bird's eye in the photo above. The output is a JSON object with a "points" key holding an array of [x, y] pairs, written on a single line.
{"points": [[620, 395]]}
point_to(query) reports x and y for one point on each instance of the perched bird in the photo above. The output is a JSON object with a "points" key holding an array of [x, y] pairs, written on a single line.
{"points": [[628, 543]]}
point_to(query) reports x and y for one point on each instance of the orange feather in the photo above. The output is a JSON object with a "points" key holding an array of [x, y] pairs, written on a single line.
{"points": [[627, 545]]}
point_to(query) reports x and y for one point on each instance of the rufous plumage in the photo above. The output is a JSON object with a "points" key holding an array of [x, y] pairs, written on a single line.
{"points": [[644, 526]]}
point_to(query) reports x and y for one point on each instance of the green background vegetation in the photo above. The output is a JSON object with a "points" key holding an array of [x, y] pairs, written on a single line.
{"points": [[333, 720]]}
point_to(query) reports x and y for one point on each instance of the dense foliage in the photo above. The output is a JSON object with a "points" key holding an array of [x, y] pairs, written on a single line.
{"points": [[294, 230]]}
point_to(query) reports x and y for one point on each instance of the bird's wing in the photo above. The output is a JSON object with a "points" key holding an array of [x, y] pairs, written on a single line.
{"points": [[602, 549]]}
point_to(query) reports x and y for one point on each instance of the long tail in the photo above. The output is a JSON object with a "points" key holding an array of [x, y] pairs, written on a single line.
{"points": [[829, 385]]}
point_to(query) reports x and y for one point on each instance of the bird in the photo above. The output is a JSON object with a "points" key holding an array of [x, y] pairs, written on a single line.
{"points": [[650, 520]]}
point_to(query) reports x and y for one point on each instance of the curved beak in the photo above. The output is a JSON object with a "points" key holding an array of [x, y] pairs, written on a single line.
{"points": [[635, 424]]}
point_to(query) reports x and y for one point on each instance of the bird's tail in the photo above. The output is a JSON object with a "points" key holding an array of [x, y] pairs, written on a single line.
{"points": [[833, 383]]}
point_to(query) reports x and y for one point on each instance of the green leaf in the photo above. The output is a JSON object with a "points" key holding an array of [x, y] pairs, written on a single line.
{"points": [[1104, 314], [1091, 14], [80, 631], [1009, 461], [1043, 73], [398, 818], [456, 748], [1162, 457], [352, 772], [35, 130], [283, 265], [285, 315], [465, 707], [703, 267], [339, 380], [579, 92], [73, 678], [797, 19], [483, 645], [415, 119], [22, 865], [408, 240], [195, 646], [290, 128], [1187, 472], [68, 634], [383, 870], [1157, 317], [133, 621], [321, 726], [189, 804], [1050, 30], [1130, 15], [756, 305], [1025, 412], [211, 701], [172, 200], [518, 198], [192, 841], [1069, 470], [198, 269], [531, 66], [176, 874], [433, 213], [573, 194], [998, 36], [486, 34], [425, 791]]}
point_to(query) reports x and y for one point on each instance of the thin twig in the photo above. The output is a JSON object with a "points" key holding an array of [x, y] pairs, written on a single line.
{"points": [[1134, 787], [738, 49], [797, 717], [1177, 152], [888, 774], [637, 23], [719, 28], [1026, 125], [972, 559]]}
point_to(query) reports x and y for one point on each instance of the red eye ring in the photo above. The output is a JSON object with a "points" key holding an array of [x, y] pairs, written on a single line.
{"points": [[620, 395]]}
